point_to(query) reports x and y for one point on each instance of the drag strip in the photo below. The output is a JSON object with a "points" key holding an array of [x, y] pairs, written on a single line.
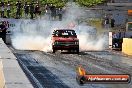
{"points": [[59, 69], [45, 78], [114, 63]]}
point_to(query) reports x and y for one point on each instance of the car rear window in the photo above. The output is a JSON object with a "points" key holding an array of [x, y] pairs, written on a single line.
{"points": [[64, 33]]}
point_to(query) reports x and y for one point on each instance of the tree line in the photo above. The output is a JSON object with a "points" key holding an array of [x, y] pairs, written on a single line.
{"points": [[61, 3]]}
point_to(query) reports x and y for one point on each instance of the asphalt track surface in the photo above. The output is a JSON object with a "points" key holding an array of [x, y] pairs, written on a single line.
{"points": [[59, 70]]}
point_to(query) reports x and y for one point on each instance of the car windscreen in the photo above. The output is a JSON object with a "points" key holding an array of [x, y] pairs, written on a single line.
{"points": [[61, 33]]}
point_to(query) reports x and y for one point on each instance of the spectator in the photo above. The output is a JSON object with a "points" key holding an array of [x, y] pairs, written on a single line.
{"points": [[37, 10], [2, 9], [31, 10], [3, 31], [53, 11], [60, 14], [47, 11], [106, 22], [112, 23], [46, 8], [8, 10], [114, 41], [26, 9], [18, 6]]}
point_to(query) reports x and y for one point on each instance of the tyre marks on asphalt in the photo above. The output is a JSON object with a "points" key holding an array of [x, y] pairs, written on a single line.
{"points": [[58, 67], [72, 63], [94, 65], [63, 68], [46, 78], [110, 61]]}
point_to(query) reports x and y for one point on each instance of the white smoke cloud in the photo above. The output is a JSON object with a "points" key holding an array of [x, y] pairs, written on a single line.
{"points": [[89, 40], [29, 42], [32, 35], [88, 44], [36, 34]]}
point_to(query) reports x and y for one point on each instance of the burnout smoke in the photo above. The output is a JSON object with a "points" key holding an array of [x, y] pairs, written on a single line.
{"points": [[32, 35], [36, 34], [89, 40]]}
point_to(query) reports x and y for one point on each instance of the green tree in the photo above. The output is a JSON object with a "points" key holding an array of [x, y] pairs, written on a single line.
{"points": [[89, 3], [57, 3]]}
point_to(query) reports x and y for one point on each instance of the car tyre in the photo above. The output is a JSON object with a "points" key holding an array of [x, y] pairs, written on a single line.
{"points": [[54, 50], [77, 51]]}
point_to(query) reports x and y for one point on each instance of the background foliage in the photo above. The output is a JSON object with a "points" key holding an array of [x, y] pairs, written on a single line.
{"points": [[89, 3], [56, 3]]}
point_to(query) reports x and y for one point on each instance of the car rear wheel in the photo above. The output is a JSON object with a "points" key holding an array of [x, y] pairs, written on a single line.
{"points": [[77, 51], [54, 50]]}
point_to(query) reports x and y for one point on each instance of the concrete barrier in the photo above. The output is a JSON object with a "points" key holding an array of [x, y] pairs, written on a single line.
{"points": [[2, 80], [13, 74], [127, 46], [119, 4]]}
